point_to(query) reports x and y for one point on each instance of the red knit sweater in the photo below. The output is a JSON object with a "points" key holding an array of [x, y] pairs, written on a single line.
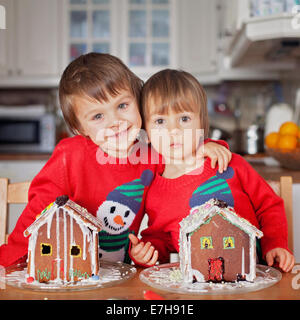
{"points": [[240, 186]]}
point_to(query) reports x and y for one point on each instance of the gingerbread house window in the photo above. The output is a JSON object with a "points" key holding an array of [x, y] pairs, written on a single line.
{"points": [[228, 243], [75, 251], [46, 249], [206, 243]]}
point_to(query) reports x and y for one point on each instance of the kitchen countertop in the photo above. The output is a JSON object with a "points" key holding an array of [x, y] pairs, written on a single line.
{"points": [[271, 172], [24, 156], [275, 172]]}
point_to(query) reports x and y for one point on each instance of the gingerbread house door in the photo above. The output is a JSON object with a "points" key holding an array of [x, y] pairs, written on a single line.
{"points": [[216, 269]]}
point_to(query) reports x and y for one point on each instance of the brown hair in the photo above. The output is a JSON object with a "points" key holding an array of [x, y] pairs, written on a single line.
{"points": [[96, 76], [174, 89]]}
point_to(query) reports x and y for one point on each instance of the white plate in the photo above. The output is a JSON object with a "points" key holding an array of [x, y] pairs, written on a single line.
{"points": [[168, 277], [110, 274]]}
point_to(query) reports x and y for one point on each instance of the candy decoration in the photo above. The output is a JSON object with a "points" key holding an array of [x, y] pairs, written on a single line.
{"points": [[150, 295], [30, 279], [95, 278], [195, 211]]}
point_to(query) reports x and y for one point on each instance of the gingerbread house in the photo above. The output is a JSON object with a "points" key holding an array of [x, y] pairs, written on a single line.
{"points": [[217, 245], [63, 243]]}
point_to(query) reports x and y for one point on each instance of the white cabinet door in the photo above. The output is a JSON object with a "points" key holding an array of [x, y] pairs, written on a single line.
{"points": [[37, 37], [5, 38], [198, 36]]}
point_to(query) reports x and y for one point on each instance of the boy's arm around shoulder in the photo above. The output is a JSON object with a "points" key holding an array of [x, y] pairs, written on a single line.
{"points": [[48, 184], [268, 207]]}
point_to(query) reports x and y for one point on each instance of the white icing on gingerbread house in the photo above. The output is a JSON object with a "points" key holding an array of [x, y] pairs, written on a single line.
{"points": [[216, 244], [63, 246]]}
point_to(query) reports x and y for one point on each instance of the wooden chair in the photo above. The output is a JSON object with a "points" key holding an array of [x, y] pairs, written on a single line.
{"points": [[10, 193], [284, 189]]}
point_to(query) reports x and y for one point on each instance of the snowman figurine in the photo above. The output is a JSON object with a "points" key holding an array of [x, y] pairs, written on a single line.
{"points": [[117, 213]]}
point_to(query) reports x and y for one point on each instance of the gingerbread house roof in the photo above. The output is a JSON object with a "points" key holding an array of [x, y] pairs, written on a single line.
{"points": [[201, 214], [73, 209]]}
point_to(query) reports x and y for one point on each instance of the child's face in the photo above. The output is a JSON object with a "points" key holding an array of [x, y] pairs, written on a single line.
{"points": [[175, 135], [112, 125]]}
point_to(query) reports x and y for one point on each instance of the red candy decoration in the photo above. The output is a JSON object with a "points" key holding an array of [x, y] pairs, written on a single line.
{"points": [[30, 279], [150, 295]]}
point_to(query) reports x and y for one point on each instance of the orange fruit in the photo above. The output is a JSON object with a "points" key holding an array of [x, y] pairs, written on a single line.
{"points": [[299, 133], [287, 142], [271, 139], [290, 128]]}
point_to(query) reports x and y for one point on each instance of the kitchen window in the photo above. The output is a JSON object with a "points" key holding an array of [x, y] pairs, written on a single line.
{"points": [[149, 33], [140, 32], [89, 24]]}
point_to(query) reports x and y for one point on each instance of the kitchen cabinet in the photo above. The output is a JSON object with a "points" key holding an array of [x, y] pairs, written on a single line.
{"points": [[30, 47], [5, 46], [198, 36], [205, 29], [261, 39], [206, 38]]}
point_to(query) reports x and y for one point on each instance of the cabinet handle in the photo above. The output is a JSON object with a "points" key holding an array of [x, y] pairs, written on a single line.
{"points": [[19, 72]]}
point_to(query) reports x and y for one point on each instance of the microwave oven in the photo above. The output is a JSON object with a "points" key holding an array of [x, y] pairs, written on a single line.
{"points": [[27, 130]]}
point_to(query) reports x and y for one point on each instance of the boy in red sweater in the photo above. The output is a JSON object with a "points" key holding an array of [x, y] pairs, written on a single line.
{"points": [[174, 110], [102, 168]]}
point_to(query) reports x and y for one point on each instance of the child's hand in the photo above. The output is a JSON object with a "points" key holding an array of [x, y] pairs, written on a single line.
{"points": [[283, 257], [142, 253], [217, 154]]}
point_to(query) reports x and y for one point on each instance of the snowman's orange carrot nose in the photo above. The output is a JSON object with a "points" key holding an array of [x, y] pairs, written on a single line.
{"points": [[118, 220]]}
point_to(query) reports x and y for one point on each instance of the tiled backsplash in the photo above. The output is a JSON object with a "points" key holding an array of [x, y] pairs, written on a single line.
{"points": [[255, 98], [28, 96]]}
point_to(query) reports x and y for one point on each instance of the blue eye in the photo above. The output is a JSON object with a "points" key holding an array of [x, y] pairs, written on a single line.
{"points": [[185, 119], [159, 121], [122, 106], [98, 116]]}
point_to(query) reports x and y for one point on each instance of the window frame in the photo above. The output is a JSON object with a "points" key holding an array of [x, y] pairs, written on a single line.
{"points": [[119, 40], [233, 241], [145, 71], [78, 247], [41, 249], [90, 40], [211, 246]]}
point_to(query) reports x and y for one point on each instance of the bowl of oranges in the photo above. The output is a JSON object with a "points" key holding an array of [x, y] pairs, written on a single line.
{"points": [[284, 145]]}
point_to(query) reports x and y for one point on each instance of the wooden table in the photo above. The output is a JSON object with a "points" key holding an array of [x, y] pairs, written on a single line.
{"points": [[133, 290]]}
